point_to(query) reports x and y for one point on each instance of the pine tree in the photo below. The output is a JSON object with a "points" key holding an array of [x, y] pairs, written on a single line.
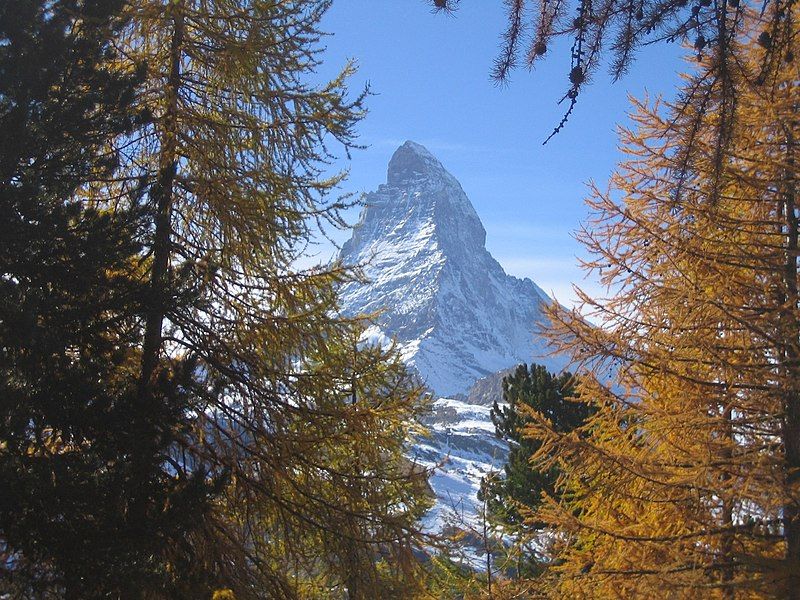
{"points": [[85, 504], [518, 491], [308, 425], [684, 482]]}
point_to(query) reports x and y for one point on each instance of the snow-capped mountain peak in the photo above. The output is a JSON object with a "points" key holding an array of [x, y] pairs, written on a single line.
{"points": [[456, 315]]}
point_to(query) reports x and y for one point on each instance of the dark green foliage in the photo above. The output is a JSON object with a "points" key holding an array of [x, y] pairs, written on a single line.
{"points": [[87, 508], [521, 485], [519, 488], [58, 103]]}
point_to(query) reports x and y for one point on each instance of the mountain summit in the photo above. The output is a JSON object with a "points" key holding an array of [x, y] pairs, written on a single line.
{"points": [[456, 315]]}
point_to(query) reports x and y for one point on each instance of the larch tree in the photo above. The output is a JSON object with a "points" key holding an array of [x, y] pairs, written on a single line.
{"points": [[305, 424], [684, 483], [610, 33]]}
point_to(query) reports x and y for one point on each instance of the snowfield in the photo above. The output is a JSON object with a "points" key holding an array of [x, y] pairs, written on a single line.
{"points": [[461, 450]]}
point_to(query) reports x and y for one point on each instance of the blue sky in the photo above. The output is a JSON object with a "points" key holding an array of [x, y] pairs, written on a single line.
{"points": [[430, 76]]}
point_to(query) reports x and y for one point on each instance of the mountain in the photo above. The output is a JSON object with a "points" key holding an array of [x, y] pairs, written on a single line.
{"points": [[454, 312], [457, 317]]}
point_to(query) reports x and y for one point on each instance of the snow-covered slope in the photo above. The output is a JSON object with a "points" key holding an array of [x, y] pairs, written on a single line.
{"points": [[461, 450], [456, 315]]}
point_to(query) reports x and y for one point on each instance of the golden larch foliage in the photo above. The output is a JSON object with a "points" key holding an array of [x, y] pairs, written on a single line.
{"points": [[684, 484]]}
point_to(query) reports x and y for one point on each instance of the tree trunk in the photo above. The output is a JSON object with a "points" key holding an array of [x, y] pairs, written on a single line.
{"points": [[791, 419], [726, 549], [162, 194]]}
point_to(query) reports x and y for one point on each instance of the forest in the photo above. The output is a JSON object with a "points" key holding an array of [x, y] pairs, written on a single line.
{"points": [[185, 411]]}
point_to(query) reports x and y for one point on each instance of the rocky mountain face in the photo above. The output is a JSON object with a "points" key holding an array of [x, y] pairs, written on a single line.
{"points": [[456, 316]]}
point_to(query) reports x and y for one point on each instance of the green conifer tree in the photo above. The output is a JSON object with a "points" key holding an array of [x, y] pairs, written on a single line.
{"points": [[514, 494], [86, 507]]}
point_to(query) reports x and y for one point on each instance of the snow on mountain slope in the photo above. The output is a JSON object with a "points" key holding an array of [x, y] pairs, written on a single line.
{"points": [[456, 315], [461, 449]]}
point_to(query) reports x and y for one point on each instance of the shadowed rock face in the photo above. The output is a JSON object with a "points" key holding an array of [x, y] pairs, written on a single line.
{"points": [[456, 315], [488, 390]]}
